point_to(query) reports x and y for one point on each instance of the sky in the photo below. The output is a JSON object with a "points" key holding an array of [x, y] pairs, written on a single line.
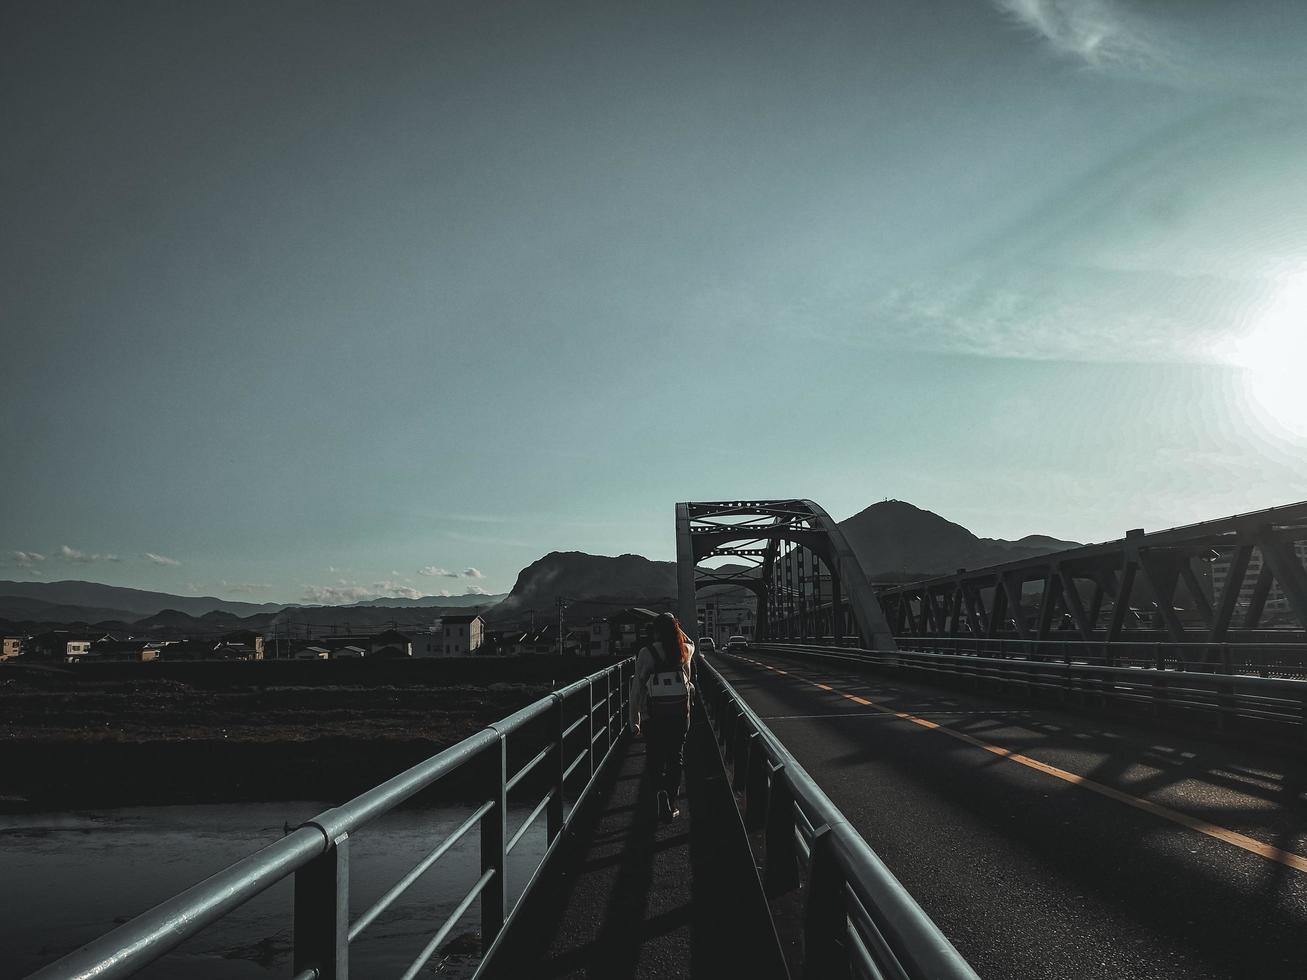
{"points": [[327, 301]]}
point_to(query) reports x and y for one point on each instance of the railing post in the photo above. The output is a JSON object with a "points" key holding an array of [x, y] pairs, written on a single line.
{"points": [[736, 719], [781, 870], [493, 840], [755, 786], [744, 745], [554, 811], [590, 725], [321, 923], [825, 919], [608, 711]]}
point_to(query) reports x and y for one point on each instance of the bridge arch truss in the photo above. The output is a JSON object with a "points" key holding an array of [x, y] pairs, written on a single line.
{"points": [[805, 577]]}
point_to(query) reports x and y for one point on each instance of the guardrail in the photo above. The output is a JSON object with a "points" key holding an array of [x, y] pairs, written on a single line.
{"points": [[1231, 698], [858, 919], [317, 853], [1264, 655], [1263, 658]]}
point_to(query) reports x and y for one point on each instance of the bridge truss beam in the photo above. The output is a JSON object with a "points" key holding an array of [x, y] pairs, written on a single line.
{"points": [[1231, 580], [764, 534]]}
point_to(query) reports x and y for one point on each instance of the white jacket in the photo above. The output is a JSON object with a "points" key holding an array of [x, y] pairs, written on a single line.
{"points": [[647, 664]]}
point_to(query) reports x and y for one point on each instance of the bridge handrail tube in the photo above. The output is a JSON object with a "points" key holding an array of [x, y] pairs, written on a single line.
{"points": [[1278, 700], [133, 945], [919, 945], [1007, 665]]}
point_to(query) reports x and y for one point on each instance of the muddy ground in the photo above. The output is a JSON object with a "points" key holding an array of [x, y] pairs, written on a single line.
{"points": [[69, 740]]}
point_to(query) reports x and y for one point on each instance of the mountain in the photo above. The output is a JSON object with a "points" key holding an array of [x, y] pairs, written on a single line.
{"points": [[90, 602], [19, 608], [893, 538], [134, 602], [600, 579], [427, 601]]}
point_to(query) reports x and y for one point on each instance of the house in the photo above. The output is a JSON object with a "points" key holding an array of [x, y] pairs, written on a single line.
{"points": [[123, 651], [349, 652], [13, 647], [541, 642], [312, 653], [179, 650], [394, 638], [601, 638], [462, 635], [228, 650], [246, 638], [64, 646], [512, 643], [629, 630]]}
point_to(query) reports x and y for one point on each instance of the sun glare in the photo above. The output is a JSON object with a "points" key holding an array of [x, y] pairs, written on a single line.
{"points": [[1273, 355]]}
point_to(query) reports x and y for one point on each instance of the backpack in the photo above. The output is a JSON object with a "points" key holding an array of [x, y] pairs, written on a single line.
{"points": [[667, 693]]}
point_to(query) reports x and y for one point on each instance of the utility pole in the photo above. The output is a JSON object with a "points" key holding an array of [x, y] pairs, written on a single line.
{"points": [[561, 603]]}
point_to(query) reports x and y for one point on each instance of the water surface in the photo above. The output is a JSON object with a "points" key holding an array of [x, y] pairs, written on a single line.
{"points": [[66, 878]]}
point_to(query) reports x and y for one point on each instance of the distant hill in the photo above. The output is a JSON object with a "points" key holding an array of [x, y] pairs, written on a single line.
{"points": [[91, 602], [129, 601], [602, 580], [893, 537], [20, 608], [427, 601]]}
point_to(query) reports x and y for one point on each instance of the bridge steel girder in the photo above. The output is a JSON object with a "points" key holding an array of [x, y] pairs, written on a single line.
{"points": [[1158, 562], [707, 529]]}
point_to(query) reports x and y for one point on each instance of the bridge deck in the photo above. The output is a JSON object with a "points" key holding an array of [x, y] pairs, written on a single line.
{"points": [[1031, 872], [631, 897]]}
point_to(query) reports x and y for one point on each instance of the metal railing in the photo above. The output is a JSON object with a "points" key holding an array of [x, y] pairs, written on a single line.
{"points": [[590, 712], [858, 920], [1230, 698], [1262, 658]]}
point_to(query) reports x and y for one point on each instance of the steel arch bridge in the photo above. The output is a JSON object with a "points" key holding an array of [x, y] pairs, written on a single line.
{"points": [[772, 536]]}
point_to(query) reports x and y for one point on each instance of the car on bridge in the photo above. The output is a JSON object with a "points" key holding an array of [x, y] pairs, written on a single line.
{"points": [[737, 644], [705, 646]]}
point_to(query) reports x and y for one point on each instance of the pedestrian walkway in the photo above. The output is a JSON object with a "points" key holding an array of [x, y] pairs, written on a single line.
{"points": [[631, 897]]}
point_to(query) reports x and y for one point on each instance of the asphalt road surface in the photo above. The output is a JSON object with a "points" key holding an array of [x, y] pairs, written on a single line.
{"points": [[1051, 844]]}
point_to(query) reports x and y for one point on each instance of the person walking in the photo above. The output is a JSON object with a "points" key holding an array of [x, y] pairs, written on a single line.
{"points": [[660, 708]]}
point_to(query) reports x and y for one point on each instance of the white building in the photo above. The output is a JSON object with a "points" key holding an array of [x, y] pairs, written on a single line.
{"points": [[462, 635], [1276, 601], [600, 637]]}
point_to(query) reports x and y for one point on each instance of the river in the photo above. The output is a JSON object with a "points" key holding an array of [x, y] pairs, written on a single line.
{"points": [[66, 878]]}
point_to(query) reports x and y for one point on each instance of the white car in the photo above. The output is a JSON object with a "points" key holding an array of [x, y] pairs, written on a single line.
{"points": [[737, 644], [705, 646]]}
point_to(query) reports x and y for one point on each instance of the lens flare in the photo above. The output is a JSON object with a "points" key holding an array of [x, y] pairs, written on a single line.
{"points": [[1273, 355]]}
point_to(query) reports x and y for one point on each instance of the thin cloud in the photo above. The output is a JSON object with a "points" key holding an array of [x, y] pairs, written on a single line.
{"points": [[475, 590], [472, 573], [1100, 33], [26, 558], [334, 595], [160, 559], [432, 571], [84, 557]]}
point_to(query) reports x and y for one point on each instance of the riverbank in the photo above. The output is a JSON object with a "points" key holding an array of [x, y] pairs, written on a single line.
{"points": [[75, 739]]}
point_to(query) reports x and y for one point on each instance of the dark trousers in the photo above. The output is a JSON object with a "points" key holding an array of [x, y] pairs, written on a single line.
{"points": [[664, 739]]}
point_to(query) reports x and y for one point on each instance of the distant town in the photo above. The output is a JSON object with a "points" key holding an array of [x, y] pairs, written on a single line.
{"points": [[464, 635]]}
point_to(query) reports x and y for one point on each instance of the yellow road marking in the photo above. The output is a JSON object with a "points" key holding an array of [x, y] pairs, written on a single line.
{"points": [[1249, 844]]}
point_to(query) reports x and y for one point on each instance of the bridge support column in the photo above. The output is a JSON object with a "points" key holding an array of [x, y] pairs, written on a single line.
{"points": [[825, 935], [493, 841], [321, 922], [554, 811], [781, 871]]}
